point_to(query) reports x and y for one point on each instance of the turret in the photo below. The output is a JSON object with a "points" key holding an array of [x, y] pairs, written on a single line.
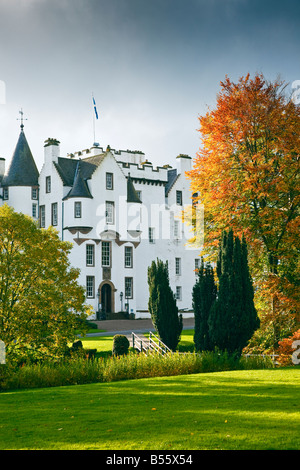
{"points": [[20, 183]]}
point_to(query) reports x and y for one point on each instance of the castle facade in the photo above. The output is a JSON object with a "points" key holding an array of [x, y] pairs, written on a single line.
{"points": [[119, 212]]}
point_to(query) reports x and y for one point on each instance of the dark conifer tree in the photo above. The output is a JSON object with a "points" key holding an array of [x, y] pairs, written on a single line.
{"points": [[233, 317], [204, 295], [162, 305]]}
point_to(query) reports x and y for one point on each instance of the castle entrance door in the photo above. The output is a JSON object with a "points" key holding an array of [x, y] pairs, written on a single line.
{"points": [[106, 298]]}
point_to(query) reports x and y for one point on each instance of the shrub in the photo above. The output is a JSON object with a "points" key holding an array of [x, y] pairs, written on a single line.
{"points": [[120, 345], [77, 350], [79, 370]]}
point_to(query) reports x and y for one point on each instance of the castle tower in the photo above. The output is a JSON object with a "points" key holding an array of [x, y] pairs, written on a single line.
{"points": [[20, 183]]}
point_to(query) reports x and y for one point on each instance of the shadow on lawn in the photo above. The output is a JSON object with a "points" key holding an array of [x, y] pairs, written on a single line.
{"points": [[231, 410]]}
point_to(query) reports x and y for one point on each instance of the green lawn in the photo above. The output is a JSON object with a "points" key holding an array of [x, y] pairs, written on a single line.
{"points": [[105, 343], [256, 409]]}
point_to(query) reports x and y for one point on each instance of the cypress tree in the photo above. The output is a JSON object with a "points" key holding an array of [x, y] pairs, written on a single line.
{"points": [[162, 305], [233, 317], [204, 295], [251, 320]]}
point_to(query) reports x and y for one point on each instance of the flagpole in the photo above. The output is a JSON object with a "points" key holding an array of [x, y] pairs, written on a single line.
{"points": [[95, 114], [94, 129]]}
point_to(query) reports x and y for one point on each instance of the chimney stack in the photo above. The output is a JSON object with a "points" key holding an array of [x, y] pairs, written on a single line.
{"points": [[51, 150]]}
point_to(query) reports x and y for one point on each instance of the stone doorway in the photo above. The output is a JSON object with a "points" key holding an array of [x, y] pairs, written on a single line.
{"points": [[107, 297]]}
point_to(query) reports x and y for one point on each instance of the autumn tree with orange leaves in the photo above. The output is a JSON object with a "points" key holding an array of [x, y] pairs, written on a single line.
{"points": [[246, 174]]}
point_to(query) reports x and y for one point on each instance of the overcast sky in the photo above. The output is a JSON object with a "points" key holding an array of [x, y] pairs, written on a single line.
{"points": [[153, 66]]}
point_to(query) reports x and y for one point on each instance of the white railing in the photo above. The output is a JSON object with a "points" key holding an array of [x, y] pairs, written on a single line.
{"points": [[272, 356], [157, 344], [153, 344]]}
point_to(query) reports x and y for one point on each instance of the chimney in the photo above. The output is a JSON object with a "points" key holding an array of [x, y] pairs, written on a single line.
{"points": [[51, 150], [184, 163]]}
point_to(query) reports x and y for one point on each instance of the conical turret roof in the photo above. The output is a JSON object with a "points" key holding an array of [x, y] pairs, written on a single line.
{"points": [[22, 170]]}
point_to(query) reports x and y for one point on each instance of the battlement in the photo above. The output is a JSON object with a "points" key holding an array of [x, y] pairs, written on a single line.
{"points": [[145, 171]]}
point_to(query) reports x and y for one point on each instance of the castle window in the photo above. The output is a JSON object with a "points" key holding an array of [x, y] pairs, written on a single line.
{"points": [[106, 258], [34, 193], [42, 216], [178, 266], [128, 287], [54, 214], [48, 184], [5, 193], [197, 265], [179, 198], [34, 211], [110, 212], [77, 209], [194, 199], [109, 181], [90, 287], [151, 235], [128, 257], [178, 293], [90, 255]]}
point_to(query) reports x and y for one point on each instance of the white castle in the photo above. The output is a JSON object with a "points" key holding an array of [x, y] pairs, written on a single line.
{"points": [[119, 212]]}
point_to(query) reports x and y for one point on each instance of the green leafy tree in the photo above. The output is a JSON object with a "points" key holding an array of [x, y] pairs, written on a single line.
{"points": [[204, 295], [40, 298], [233, 318], [162, 305]]}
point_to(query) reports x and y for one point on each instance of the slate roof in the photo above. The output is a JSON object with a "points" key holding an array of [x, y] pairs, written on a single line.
{"points": [[172, 177], [80, 187], [22, 170], [131, 192], [75, 173], [66, 168]]}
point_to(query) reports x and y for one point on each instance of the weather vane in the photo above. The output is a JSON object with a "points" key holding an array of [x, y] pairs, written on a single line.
{"points": [[22, 119]]}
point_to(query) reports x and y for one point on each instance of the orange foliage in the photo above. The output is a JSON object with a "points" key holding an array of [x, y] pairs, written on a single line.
{"points": [[287, 347], [247, 174]]}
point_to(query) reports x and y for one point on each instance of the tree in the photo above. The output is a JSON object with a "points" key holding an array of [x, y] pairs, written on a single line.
{"points": [[162, 305], [41, 301], [247, 175], [288, 350], [204, 296], [233, 317]]}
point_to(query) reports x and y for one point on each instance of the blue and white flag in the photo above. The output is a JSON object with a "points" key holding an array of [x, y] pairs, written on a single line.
{"points": [[95, 108]]}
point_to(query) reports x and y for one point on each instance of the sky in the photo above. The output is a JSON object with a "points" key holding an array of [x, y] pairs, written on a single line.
{"points": [[153, 67]]}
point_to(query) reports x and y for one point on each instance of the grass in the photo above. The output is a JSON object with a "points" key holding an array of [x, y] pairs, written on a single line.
{"points": [[104, 344], [232, 410]]}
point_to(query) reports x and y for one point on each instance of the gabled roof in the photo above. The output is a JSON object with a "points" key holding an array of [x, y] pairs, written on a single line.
{"points": [[22, 170], [131, 192], [80, 187], [66, 168]]}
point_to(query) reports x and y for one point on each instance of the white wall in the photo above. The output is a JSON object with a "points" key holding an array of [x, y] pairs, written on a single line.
{"points": [[19, 197]]}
